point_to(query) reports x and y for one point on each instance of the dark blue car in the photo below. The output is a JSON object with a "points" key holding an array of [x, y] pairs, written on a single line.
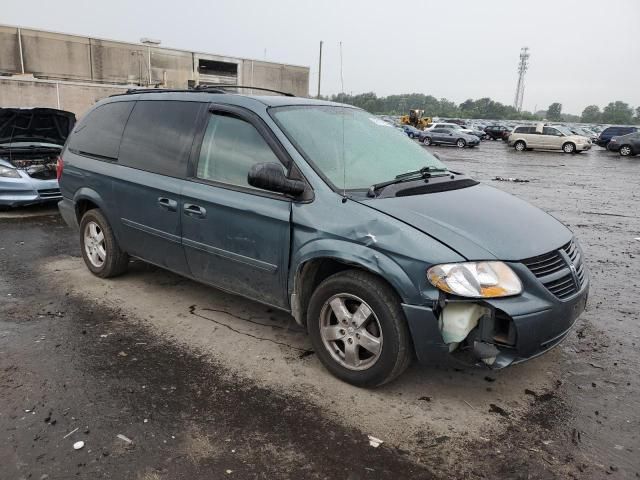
{"points": [[322, 210]]}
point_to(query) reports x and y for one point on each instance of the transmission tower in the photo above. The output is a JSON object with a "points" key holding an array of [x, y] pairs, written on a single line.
{"points": [[522, 69]]}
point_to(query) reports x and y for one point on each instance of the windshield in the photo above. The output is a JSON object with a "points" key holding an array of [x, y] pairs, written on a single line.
{"points": [[351, 148]]}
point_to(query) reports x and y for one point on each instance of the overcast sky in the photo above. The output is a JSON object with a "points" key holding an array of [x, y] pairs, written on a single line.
{"points": [[582, 52]]}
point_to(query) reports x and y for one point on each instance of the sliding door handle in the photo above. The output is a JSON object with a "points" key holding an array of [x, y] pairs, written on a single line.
{"points": [[194, 210]]}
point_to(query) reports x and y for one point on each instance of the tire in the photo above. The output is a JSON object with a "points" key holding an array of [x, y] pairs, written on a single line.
{"points": [[411, 135], [427, 141], [461, 143], [625, 151], [569, 148], [520, 146], [100, 249], [357, 291]]}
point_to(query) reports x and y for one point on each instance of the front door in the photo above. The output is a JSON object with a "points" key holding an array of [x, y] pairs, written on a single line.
{"points": [[552, 138], [236, 237]]}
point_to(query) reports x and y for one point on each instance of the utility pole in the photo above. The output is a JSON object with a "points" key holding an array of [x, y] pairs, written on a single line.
{"points": [[523, 66], [319, 68]]}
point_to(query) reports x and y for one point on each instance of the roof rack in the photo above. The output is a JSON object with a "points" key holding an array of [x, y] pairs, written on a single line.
{"points": [[198, 88], [220, 87], [132, 91]]}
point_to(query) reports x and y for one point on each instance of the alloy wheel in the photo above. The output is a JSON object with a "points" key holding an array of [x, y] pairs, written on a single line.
{"points": [[351, 331], [625, 151], [94, 244]]}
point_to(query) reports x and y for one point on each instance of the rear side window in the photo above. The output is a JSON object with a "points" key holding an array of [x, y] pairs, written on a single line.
{"points": [[99, 133], [159, 136], [230, 148]]}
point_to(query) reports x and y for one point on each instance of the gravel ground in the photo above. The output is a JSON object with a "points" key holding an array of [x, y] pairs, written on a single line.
{"points": [[207, 385]]}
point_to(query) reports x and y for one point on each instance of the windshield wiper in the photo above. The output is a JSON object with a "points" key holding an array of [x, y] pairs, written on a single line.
{"points": [[424, 172]]}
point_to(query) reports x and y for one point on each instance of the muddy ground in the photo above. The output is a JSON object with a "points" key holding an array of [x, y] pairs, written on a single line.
{"points": [[203, 384]]}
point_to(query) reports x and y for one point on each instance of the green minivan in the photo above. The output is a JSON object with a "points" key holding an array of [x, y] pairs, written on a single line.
{"points": [[325, 211]]}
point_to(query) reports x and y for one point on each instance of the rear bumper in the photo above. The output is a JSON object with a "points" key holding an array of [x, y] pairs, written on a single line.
{"points": [[25, 190], [540, 324], [68, 212]]}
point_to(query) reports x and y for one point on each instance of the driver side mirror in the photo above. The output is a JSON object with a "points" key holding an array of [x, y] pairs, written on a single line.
{"points": [[270, 176]]}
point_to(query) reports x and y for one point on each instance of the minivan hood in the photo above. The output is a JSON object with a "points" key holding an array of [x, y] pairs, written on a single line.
{"points": [[35, 125], [479, 222]]}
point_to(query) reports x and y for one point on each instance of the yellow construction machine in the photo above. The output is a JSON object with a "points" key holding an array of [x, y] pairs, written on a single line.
{"points": [[416, 119]]}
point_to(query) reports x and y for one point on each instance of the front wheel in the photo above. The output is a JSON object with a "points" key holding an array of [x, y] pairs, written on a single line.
{"points": [[427, 141], [100, 249], [358, 329], [568, 147], [520, 146], [625, 150], [411, 135], [460, 143]]}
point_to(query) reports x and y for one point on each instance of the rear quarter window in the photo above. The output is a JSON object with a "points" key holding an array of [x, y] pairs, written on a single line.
{"points": [[99, 133], [159, 136]]}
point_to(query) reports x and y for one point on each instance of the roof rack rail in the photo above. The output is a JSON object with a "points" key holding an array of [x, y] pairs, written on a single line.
{"points": [[132, 91], [218, 87], [199, 88]]}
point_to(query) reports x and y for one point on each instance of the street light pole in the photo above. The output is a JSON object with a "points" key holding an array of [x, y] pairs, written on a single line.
{"points": [[319, 68]]}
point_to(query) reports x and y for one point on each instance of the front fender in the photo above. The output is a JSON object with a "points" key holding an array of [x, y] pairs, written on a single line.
{"points": [[358, 255]]}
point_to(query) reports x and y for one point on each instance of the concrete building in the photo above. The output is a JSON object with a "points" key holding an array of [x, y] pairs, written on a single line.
{"points": [[71, 72]]}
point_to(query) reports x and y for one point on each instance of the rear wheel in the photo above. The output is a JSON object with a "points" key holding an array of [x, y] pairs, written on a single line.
{"points": [[427, 141], [520, 146], [100, 249], [358, 329], [411, 135], [625, 150], [461, 143]]}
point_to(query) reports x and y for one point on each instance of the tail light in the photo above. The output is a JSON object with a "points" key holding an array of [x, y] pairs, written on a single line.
{"points": [[59, 168]]}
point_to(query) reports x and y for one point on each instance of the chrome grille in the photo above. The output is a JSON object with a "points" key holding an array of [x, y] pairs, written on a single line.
{"points": [[554, 270]]}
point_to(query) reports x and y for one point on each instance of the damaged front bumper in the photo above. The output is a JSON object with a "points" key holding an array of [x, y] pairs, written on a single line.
{"points": [[515, 328]]}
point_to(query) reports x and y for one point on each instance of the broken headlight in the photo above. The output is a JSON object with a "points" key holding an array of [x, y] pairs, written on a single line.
{"points": [[9, 172], [475, 279]]}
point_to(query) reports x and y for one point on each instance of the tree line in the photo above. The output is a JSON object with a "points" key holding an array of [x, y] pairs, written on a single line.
{"points": [[617, 112]]}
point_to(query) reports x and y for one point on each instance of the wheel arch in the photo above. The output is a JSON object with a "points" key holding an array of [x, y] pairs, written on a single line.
{"points": [[311, 269], [86, 199], [522, 140]]}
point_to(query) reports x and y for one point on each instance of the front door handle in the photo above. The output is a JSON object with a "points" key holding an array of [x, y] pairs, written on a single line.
{"points": [[167, 203], [194, 210]]}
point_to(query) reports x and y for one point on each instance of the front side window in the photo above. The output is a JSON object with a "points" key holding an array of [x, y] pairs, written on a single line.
{"points": [[230, 148], [351, 148], [551, 131]]}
